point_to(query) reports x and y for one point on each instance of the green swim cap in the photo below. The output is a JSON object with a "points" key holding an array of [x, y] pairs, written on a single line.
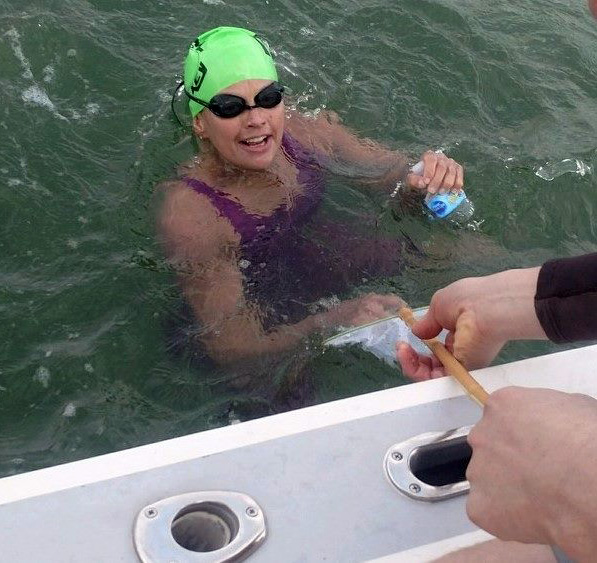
{"points": [[224, 56]]}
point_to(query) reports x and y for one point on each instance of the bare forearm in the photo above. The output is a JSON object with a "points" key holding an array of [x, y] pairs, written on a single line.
{"points": [[235, 341], [509, 305], [374, 164], [346, 153], [244, 337], [555, 301]]}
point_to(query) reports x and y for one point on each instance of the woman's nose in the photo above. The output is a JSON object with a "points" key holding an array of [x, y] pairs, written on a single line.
{"points": [[255, 116]]}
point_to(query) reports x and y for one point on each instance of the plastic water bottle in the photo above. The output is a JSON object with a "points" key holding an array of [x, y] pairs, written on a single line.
{"points": [[453, 205]]}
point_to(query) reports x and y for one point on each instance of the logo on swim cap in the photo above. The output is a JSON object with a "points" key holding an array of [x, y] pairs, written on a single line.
{"points": [[196, 86], [224, 56]]}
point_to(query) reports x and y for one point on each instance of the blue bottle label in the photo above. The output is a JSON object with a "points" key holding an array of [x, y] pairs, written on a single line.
{"points": [[441, 205]]}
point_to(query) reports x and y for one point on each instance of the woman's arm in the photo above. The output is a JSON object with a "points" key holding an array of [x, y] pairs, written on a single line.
{"points": [[204, 249], [375, 163]]}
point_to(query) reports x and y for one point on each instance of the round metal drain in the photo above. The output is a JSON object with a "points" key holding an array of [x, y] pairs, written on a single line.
{"points": [[200, 527]]}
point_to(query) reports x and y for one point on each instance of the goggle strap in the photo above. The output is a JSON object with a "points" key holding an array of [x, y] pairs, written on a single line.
{"points": [[175, 93]]}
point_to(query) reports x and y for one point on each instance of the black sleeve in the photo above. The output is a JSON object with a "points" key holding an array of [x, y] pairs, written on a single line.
{"points": [[566, 298]]}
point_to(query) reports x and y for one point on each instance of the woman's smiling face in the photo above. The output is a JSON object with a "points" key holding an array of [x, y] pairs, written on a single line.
{"points": [[249, 140]]}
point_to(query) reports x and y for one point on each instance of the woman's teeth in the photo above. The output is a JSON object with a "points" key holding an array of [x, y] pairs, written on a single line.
{"points": [[255, 140]]}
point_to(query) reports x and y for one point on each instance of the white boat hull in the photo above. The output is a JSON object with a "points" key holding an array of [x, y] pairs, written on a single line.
{"points": [[316, 473]]}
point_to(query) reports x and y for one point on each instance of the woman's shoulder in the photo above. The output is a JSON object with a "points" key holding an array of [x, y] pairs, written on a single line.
{"points": [[315, 130], [301, 123], [191, 182], [185, 215]]}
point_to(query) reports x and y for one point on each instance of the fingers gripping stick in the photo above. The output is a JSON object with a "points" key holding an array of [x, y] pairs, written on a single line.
{"points": [[452, 365]]}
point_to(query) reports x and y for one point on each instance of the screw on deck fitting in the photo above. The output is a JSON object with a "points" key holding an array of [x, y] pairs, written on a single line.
{"points": [[151, 512]]}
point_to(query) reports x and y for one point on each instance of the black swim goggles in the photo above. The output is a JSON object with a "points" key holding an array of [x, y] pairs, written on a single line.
{"points": [[227, 106]]}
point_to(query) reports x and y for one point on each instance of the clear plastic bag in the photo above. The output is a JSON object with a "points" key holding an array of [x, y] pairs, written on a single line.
{"points": [[380, 337]]}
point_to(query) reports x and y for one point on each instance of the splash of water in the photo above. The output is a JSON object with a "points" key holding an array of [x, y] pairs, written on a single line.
{"points": [[34, 94], [551, 170]]}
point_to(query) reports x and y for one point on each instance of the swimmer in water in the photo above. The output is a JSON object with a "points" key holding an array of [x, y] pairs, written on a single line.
{"points": [[235, 222]]}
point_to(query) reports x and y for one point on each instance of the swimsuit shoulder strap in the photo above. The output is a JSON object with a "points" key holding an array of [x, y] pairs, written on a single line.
{"points": [[308, 164], [297, 152], [225, 205]]}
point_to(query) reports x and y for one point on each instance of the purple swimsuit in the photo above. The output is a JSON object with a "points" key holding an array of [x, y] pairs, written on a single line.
{"points": [[289, 261]]}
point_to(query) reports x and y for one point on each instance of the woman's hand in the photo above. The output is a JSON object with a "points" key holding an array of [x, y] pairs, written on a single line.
{"points": [[439, 174], [362, 310]]}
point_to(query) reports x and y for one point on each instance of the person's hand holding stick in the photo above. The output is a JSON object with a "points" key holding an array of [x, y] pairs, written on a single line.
{"points": [[452, 365]]}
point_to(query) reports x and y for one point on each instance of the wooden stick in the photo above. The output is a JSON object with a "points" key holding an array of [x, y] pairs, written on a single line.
{"points": [[452, 365]]}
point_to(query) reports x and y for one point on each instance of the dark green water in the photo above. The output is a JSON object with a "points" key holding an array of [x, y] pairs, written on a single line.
{"points": [[86, 132]]}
